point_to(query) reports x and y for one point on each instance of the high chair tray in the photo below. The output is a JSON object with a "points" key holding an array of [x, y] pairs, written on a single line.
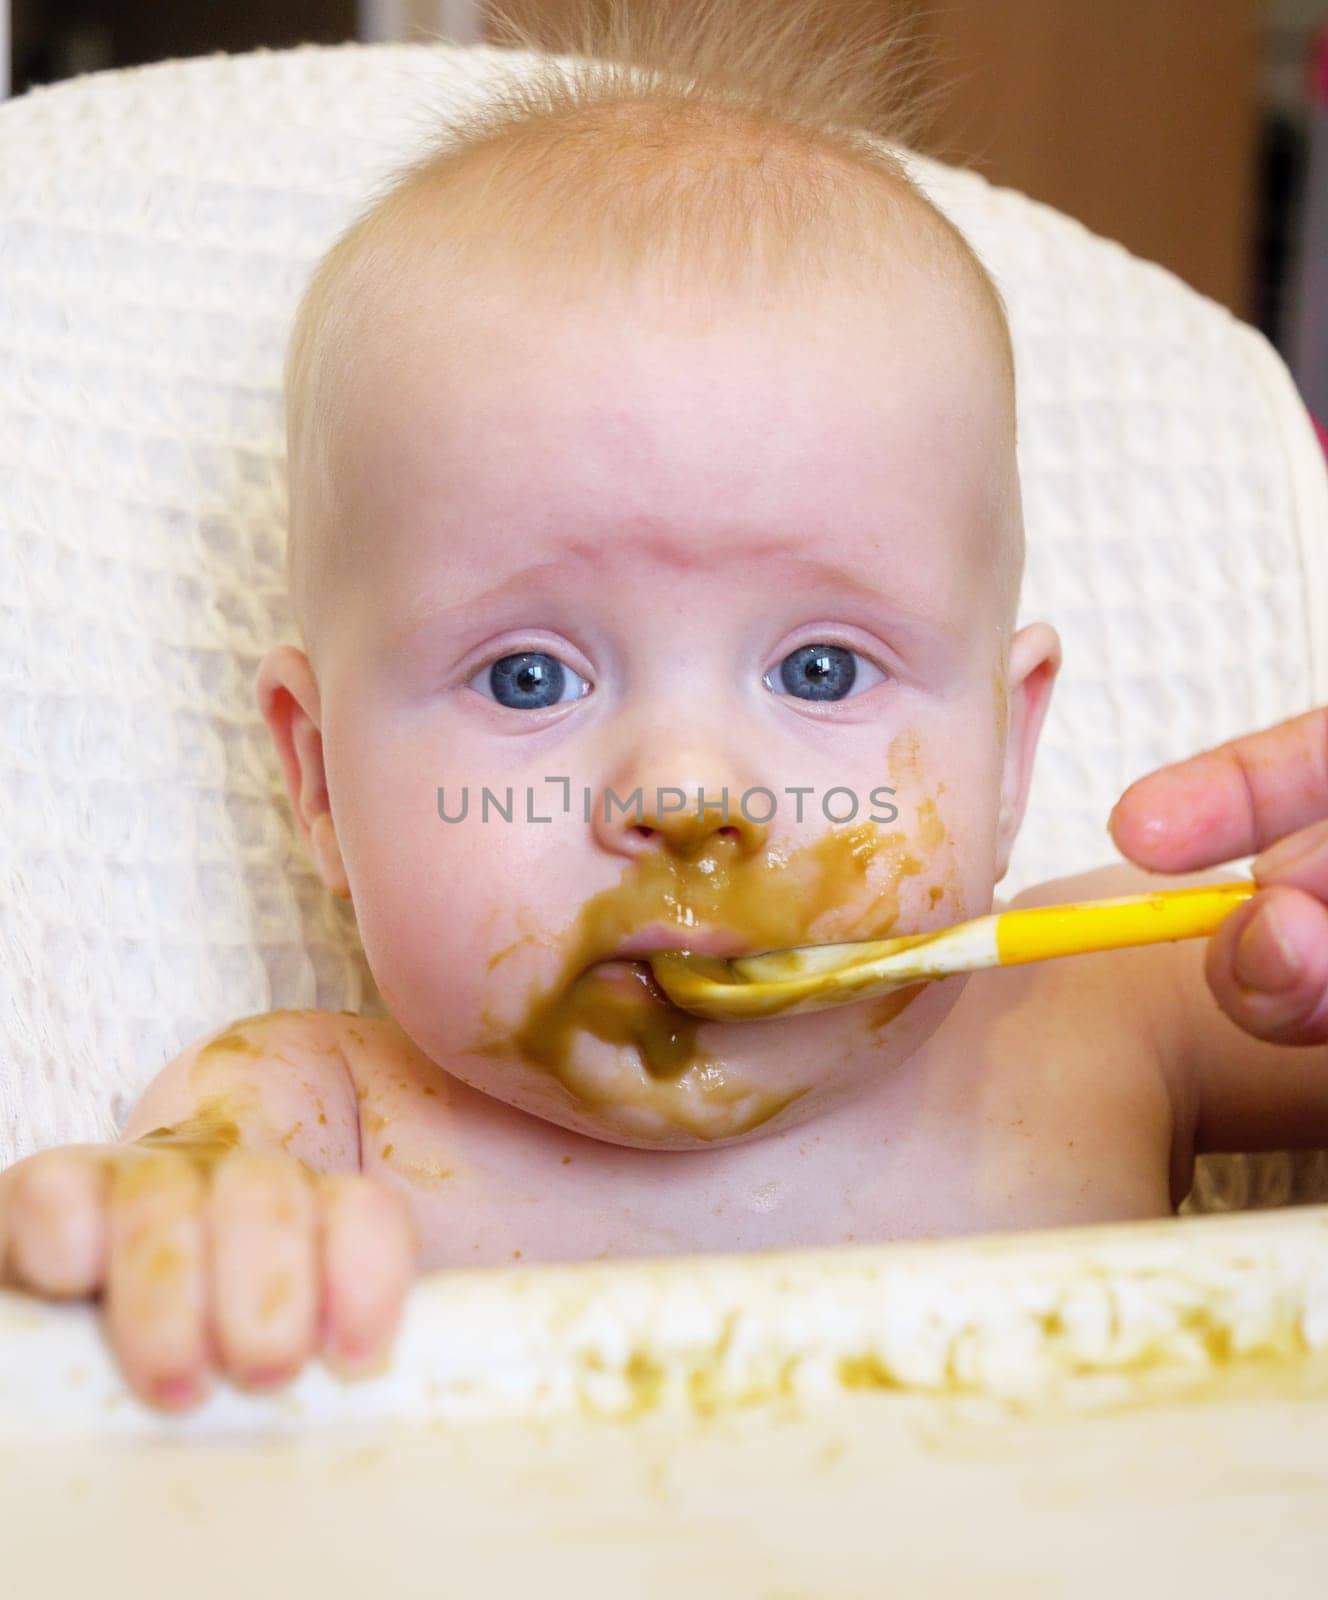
{"points": [[1073, 1411]]}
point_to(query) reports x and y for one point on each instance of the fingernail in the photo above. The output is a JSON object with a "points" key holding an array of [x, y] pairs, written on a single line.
{"points": [[1293, 852], [1265, 960], [177, 1391], [260, 1378], [355, 1360], [353, 1351]]}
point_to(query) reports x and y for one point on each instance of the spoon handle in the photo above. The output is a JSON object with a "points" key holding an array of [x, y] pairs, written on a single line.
{"points": [[1040, 932], [783, 982]]}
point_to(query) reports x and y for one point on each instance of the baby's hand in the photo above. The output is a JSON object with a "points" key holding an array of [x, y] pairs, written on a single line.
{"points": [[243, 1262]]}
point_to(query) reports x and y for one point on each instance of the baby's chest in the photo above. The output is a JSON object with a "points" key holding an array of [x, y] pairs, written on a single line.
{"points": [[934, 1169], [1024, 1110]]}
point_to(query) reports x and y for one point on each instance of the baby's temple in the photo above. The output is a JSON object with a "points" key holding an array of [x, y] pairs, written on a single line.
{"points": [[717, 851]]}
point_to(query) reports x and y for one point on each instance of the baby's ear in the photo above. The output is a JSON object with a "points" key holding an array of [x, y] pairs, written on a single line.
{"points": [[287, 694], [1035, 659]]}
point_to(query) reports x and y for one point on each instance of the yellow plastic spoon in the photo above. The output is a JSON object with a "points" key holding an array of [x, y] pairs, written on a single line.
{"points": [[816, 976]]}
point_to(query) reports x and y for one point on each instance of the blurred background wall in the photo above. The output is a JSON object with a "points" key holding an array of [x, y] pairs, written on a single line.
{"points": [[1183, 128]]}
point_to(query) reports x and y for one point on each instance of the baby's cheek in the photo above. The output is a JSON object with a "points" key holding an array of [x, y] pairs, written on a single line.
{"points": [[957, 881], [948, 794], [480, 941], [431, 923]]}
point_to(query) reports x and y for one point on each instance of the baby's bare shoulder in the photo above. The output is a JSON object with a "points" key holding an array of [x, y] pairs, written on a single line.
{"points": [[415, 1118], [1109, 1029], [1102, 883], [1128, 998], [1146, 986], [276, 1080], [379, 1053]]}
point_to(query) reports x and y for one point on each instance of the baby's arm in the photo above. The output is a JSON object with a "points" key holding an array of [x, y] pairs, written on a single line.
{"points": [[1248, 1094], [1226, 1090], [230, 1225]]}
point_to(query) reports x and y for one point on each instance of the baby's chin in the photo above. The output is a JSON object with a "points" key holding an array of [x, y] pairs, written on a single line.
{"points": [[708, 1104], [701, 1108], [743, 1081]]}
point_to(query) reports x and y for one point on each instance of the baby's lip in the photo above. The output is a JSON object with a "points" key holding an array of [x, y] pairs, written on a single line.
{"points": [[649, 941], [628, 963]]}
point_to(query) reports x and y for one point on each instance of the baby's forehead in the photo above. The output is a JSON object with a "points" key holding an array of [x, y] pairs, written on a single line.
{"points": [[437, 324], [450, 361], [435, 330], [676, 432]]}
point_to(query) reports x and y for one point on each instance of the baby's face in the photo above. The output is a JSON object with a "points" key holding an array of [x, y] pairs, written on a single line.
{"points": [[614, 558]]}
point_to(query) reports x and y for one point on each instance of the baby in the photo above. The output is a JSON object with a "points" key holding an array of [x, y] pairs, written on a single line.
{"points": [[655, 548]]}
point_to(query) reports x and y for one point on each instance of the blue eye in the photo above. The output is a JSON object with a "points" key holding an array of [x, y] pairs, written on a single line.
{"points": [[823, 672], [529, 681]]}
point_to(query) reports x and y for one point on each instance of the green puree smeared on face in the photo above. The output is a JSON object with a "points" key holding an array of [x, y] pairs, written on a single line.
{"points": [[770, 899]]}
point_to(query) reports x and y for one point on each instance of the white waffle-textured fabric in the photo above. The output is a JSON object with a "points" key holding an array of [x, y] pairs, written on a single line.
{"points": [[156, 228]]}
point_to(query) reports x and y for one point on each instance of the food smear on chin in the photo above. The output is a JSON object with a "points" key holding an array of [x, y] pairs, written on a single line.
{"points": [[846, 884]]}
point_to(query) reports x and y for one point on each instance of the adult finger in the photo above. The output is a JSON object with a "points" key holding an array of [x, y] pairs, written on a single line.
{"points": [[1231, 801], [1267, 966], [1299, 861]]}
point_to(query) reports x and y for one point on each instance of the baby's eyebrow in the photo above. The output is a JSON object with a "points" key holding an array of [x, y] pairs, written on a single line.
{"points": [[822, 577], [430, 607]]}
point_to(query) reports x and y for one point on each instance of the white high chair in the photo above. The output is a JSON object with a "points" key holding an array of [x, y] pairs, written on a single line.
{"points": [[156, 227]]}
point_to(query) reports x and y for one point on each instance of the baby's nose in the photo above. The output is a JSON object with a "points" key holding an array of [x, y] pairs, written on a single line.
{"points": [[683, 820]]}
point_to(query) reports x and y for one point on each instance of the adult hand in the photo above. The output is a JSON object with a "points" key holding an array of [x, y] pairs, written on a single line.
{"points": [[1267, 964]]}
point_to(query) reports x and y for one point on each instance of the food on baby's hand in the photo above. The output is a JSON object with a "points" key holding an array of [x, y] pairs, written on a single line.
{"points": [[209, 1258]]}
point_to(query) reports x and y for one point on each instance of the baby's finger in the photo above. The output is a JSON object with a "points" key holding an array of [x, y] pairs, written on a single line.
{"points": [[53, 1223], [368, 1251], [156, 1288], [1267, 966], [263, 1217]]}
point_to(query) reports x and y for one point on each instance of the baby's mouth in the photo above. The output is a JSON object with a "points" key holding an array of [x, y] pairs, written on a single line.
{"points": [[654, 1075], [627, 970], [629, 978]]}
